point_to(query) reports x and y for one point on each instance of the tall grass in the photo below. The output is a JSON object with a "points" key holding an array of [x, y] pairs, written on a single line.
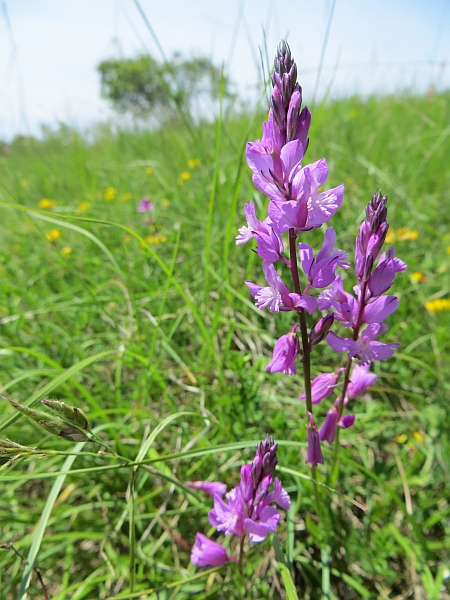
{"points": [[149, 328]]}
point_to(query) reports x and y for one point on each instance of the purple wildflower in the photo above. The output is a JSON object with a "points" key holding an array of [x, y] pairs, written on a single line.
{"points": [[285, 353], [322, 386], [360, 381], [314, 451], [206, 553], [247, 509], [320, 270], [209, 487], [277, 296], [366, 349], [145, 204]]}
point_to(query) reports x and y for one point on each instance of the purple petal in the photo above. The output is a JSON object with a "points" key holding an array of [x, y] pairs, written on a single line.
{"points": [[314, 451], [382, 278], [378, 351], [206, 553], [284, 355], [321, 207], [322, 386], [209, 487], [377, 311], [279, 495], [342, 344], [328, 430], [306, 258], [360, 381]]}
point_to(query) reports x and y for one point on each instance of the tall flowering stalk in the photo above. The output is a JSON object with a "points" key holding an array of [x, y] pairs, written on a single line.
{"points": [[295, 207], [247, 510]]}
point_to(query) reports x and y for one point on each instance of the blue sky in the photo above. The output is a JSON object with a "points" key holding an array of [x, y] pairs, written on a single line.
{"points": [[49, 49]]}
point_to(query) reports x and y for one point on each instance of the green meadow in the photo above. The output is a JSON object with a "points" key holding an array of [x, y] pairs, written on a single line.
{"points": [[149, 328]]}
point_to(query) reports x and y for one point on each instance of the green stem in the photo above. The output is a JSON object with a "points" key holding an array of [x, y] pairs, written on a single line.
{"points": [[241, 554]]}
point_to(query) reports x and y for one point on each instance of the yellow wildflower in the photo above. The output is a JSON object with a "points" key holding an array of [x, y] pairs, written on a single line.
{"points": [[110, 193], [25, 182], [401, 439], [53, 234], [417, 276], [405, 235], [46, 203], [448, 249], [126, 196], [152, 239], [148, 170], [418, 436], [184, 176], [438, 304], [193, 162], [84, 206], [166, 202], [66, 250], [163, 238], [127, 238]]}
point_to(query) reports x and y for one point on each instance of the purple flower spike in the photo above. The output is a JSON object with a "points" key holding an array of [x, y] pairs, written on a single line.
{"points": [[322, 386], [144, 205], [285, 353], [209, 487], [360, 381], [206, 553], [314, 451]]}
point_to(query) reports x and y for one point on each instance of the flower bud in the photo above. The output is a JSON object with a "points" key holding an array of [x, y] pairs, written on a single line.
{"points": [[320, 329]]}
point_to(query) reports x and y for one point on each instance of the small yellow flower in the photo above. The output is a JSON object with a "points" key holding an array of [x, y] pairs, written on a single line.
{"points": [[417, 276], [184, 176], [53, 234], [163, 238], [110, 193], [193, 162], [401, 439], [152, 239], [166, 202], [127, 238], [404, 234], [46, 203], [390, 237], [84, 206], [418, 436], [126, 196], [66, 250], [448, 249], [438, 305], [148, 170], [353, 113], [25, 183]]}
